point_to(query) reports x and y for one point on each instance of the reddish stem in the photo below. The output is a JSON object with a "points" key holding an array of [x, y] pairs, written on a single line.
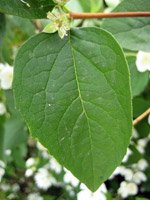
{"points": [[108, 15]]}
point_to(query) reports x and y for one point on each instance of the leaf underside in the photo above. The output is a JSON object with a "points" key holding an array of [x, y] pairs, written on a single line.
{"points": [[75, 96]]}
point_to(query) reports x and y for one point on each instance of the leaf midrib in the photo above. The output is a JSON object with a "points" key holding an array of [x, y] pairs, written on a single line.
{"points": [[82, 104]]}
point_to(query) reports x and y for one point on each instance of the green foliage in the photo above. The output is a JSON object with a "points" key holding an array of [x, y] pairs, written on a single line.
{"points": [[28, 8], [11, 129], [70, 109], [16, 128], [18, 30], [85, 6], [2, 26], [74, 95], [2, 138], [131, 33], [91, 5], [138, 80], [140, 104]]}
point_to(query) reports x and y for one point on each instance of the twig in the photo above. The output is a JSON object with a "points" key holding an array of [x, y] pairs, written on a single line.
{"points": [[108, 15], [142, 116]]}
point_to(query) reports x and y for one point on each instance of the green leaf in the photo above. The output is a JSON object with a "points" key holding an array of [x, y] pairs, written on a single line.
{"points": [[140, 105], [18, 30], [134, 157], [19, 154], [2, 26], [138, 80], [15, 131], [91, 5], [2, 120], [74, 6], [75, 96], [85, 6], [24, 25], [131, 33], [2, 32], [143, 128], [27, 8]]}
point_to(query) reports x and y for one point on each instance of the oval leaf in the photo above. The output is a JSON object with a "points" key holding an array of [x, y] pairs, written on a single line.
{"points": [[27, 8], [75, 97]]}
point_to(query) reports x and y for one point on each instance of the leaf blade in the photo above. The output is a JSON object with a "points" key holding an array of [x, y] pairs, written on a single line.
{"points": [[74, 116]]}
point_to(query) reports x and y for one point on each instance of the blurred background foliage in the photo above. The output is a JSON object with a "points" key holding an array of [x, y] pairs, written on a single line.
{"points": [[27, 171]]}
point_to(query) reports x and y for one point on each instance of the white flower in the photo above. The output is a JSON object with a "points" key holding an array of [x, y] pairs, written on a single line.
{"points": [[59, 22], [132, 188], [34, 196], [31, 166], [149, 119], [5, 187], [139, 177], [126, 189], [29, 172], [15, 187], [135, 134], [69, 189], [69, 178], [40, 147], [30, 162], [6, 77], [85, 193], [143, 61], [123, 171], [112, 3], [118, 170], [2, 109], [142, 164], [55, 166], [45, 155], [44, 179], [2, 172], [126, 157], [8, 152], [1, 68], [12, 196], [141, 144], [2, 164], [43, 150], [2, 169], [128, 174]]}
